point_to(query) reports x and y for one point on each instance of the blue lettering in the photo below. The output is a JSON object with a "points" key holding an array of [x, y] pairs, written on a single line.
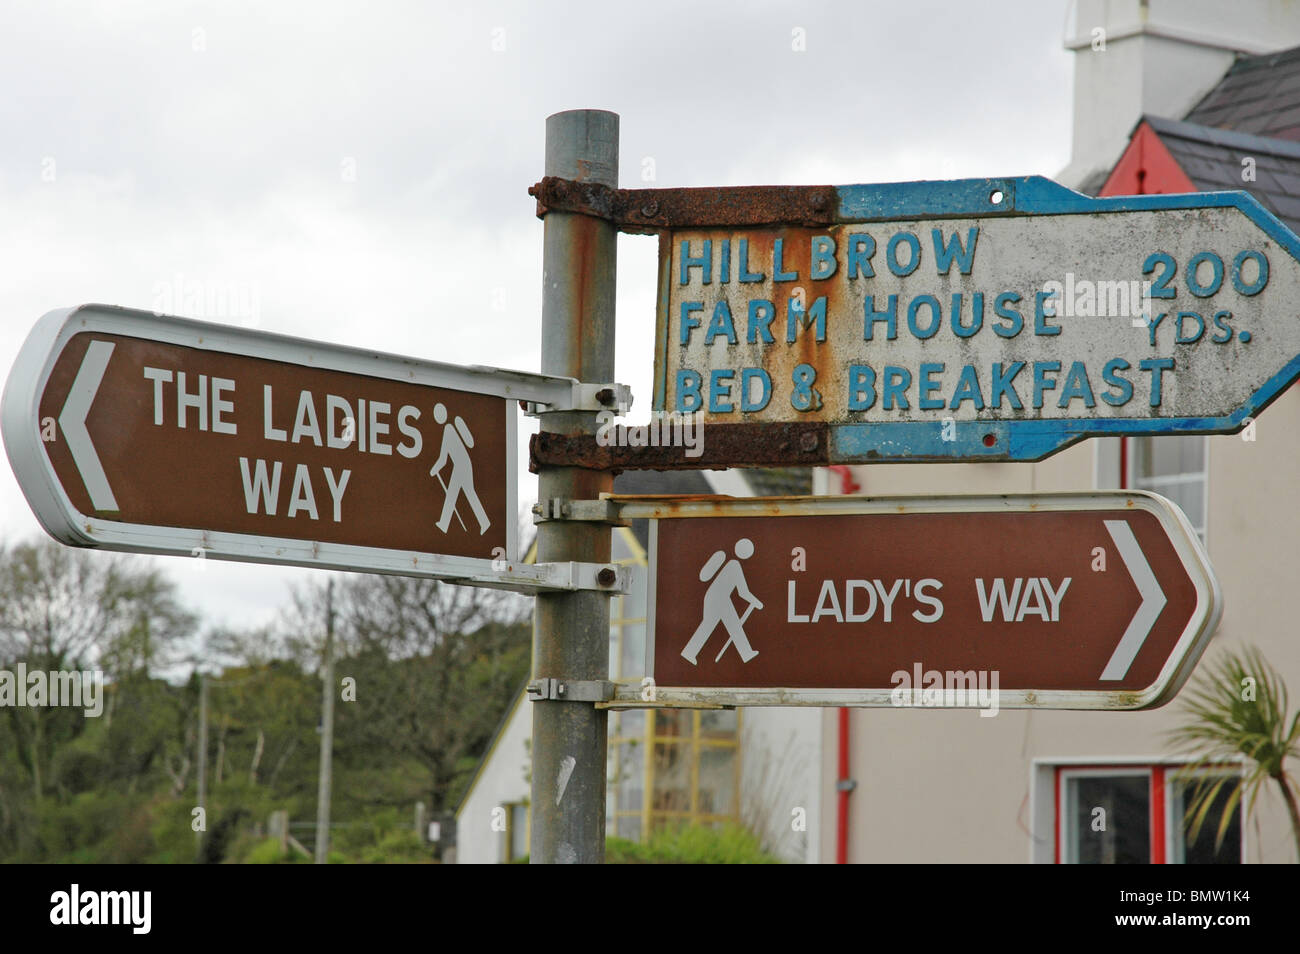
{"points": [[897, 381], [1179, 338], [761, 313], [889, 316], [944, 254], [891, 254], [796, 317], [928, 385], [747, 378], [1077, 386], [1110, 374], [861, 247], [721, 324], [1226, 329], [1000, 307], [968, 389], [688, 320], [1041, 383], [745, 274], [704, 263], [1157, 367], [977, 315], [778, 265], [1041, 327], [720, 391], [936, 317], [823, 262], [1003, 383], [688, 391], [862, 387]]}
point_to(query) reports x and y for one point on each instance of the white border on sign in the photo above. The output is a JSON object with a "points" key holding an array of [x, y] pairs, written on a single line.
{"points": [[63, 521], [1177, 668]]}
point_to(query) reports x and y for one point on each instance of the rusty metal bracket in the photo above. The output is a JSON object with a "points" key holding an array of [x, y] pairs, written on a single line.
{"points": [[767, 444], [650, 211], [586, 397], [592, 511], [570, 690]]}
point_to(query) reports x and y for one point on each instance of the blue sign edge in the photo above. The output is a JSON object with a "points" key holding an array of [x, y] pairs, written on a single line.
{"points": [[1012, 440]]}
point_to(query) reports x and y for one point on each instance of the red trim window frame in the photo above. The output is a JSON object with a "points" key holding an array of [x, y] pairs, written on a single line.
{"points": [[1158, 776]]}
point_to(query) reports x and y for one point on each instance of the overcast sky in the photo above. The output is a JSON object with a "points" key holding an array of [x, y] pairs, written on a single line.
{"points": [[359, 171]]}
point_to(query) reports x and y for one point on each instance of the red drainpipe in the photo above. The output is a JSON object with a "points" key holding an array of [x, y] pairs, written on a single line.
{"points": [[844, 784]]}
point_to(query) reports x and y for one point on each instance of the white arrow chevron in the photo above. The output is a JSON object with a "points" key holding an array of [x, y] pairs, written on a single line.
{"points": [[1153, 600], [72, 421]]}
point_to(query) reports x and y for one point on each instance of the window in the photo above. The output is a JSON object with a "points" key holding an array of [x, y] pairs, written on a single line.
{"points": [[666, 766], [1174, 467], [1136, 814]]}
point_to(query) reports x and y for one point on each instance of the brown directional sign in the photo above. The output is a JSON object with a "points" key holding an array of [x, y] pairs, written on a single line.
{"points": [[1061, 601], [135, 431]]}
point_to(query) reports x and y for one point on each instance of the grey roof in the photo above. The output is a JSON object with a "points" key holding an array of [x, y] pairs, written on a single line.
{"points": [[1213, 159], [1259, 95]]}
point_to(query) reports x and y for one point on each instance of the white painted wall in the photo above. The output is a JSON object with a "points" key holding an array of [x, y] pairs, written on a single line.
{"points": [[1161, 57], [501, 781]]}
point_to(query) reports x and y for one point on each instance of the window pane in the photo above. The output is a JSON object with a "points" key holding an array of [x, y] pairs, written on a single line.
{"points": [[1202, 851], [633, 651], [630, 724], [1109, 819], [672, 779], [673, 722], [717, 780], [1190, 499], [1167, 456], [629, 777], [718, 723]]}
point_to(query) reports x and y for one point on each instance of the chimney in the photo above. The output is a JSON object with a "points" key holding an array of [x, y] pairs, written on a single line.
{"points": [[1158, 57]]}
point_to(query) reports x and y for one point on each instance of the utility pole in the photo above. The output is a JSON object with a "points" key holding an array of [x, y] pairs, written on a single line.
{"points": [[203, 760], [571, 630], [326, 733]]}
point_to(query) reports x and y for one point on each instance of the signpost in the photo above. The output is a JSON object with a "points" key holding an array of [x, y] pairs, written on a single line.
{"points": [[134, 431], [977, 320], [988, 319], [1067, 601]]}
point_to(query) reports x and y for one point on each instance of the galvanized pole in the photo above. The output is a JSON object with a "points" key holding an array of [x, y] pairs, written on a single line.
{"points": [[326, 734], [571, 630]]}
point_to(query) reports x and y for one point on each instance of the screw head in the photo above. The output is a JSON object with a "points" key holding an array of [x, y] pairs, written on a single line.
{"points": [[605, 396], [606, 576], [808, 442]]}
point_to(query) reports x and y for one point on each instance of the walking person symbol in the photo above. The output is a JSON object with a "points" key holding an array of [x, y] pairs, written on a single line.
{"points": [[456, 441], [718, 605]]}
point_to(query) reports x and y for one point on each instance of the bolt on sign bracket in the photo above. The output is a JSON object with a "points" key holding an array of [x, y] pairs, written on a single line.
{"points": [[603, 510], [570, 690], [599, 577], [586, 397]]}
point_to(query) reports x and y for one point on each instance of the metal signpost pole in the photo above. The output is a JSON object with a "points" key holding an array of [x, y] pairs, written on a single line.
{"points": [[571, 630]]}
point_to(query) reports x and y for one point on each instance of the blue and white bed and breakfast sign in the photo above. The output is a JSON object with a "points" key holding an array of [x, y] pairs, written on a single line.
{"points": [[984, 319]]}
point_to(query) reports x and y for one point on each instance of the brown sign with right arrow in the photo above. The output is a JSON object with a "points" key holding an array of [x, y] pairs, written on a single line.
{"points": [[1088, 601]]}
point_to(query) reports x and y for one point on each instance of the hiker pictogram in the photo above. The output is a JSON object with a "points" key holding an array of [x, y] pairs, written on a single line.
{"points": [[719, 607], [456, 442]]}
